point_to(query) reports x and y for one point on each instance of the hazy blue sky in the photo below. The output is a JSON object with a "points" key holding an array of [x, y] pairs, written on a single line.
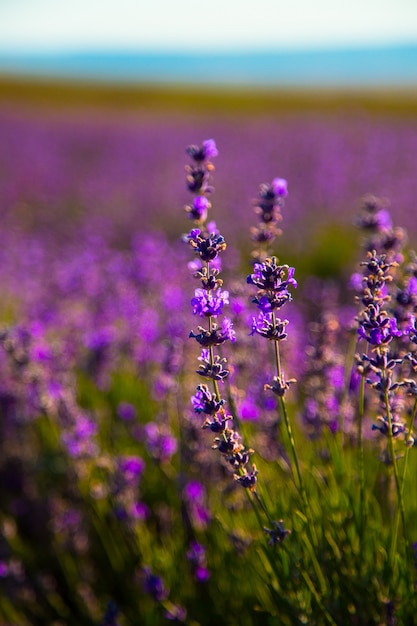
{"points": [[205, 25]]}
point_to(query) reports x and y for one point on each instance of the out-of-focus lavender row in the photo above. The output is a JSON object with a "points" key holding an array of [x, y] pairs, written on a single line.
{"points": [[127, 173]]}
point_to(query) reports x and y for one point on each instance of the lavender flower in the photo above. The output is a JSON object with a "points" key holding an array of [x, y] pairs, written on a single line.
{"points": [[268, 208], [268, 327], [207, 247], [205, 152], [208, 303], [160, 442], [196, 554], [110, 616], [154, 585], [198, 210], [215, 336], [277, 534], [204, 401]]}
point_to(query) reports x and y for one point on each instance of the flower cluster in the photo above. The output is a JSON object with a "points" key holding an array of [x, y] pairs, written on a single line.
{"points": [[198, 175], [387, 319], [323, 379], [154, 586], [268, 207], [272, 281], [375, 221], [197, 557], [208, 303]]}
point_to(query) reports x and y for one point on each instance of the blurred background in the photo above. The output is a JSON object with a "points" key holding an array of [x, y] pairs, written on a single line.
{"points": [[99, 98], [268, 43]]}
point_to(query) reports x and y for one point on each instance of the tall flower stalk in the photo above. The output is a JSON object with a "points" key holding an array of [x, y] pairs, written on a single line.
{"points": [[273, 283], [208, 304], [387, 325]]}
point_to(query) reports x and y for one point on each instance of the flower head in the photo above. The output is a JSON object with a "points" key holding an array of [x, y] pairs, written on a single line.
{"points": [[203, 153], [209, 303]]}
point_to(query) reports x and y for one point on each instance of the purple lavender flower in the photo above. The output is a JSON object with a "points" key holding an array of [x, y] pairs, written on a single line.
{"points": [[248, 410], [268, 327], [397, 426], [110, 615], [208, 303], [269, 276], [212, 368], [197, 555], [79, 440], [377, 327], [216, 336], [248, 480], [131, 468], [195, 491], [207, 245], [204, 401], [126, 411], [154, 585], [198, 210], [207, 151], [160, 442], [277, 534], [139, 511]]}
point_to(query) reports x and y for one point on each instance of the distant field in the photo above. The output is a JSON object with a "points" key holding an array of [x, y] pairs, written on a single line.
{"points": [[65, 94]]}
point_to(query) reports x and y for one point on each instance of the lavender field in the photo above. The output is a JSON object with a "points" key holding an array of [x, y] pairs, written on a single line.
{"points": [[208, 368]]}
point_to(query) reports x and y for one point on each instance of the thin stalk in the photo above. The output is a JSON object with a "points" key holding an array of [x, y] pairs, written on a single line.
{"points": [[262, 505], [399, 515], [363, 512], [317, 597], [311, 529], [290, 434], [399, 490]]}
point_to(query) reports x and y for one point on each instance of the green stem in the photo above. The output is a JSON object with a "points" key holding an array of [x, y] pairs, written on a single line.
{"points": [[398, 487], [317, 597], [399, 514], [311, 529], [262, 505], [363, 512], [290, 434]]}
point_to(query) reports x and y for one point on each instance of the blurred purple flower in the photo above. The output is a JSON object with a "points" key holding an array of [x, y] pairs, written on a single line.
{"points": [[126, 411]]}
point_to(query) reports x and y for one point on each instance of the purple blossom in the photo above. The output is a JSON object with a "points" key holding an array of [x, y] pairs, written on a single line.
{"points": [[126, 411], [248, 480], [197, 555], [204, 401], [196, 265], [269, 276], [199, 208], [248, 410], [377, 328], [79, 440], [195, 497], [208, 303], [216, 336], [207, 246], [265, 324], [214, 370], [203, 153], [160, 442], [131, 468], [195, 491], [280, 187], [154, 585], [139, 511]]}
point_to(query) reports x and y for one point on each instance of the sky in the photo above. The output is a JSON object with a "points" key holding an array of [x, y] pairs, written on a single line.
{"points": [[189, 25]]}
